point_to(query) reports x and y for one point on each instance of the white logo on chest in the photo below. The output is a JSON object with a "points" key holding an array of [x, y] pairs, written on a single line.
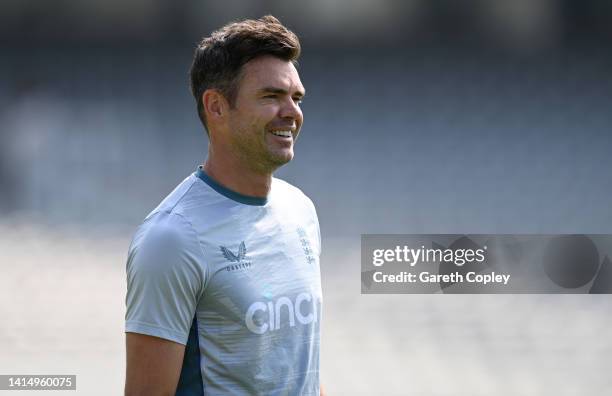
{"points": [[281, 312]]}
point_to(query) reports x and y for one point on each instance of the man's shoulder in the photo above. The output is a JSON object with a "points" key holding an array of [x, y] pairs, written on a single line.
{"points": [[288, 193], [173, 201], [191, 199], [284, 188], [168, 224], [163, 231]]}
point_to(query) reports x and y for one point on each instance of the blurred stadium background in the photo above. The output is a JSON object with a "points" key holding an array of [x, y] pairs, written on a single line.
{"points": [[479, 116]]}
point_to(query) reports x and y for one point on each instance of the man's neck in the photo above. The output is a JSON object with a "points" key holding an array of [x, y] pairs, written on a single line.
{"points": [[238, 178]]}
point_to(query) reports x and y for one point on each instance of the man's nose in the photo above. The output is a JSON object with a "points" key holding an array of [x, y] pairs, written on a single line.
{"points": [[291, 109]]}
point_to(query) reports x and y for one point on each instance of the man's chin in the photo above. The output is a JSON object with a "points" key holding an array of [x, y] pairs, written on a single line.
{"points": [[280, 159]]}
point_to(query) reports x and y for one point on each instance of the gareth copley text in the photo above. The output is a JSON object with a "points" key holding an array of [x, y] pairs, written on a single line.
{"points": [[413, 256], [426, 277]]}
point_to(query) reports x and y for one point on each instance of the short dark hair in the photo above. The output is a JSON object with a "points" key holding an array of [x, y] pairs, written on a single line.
{"points": [[218, 59]]}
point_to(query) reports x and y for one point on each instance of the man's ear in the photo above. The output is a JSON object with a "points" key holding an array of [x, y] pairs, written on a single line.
{"points": [[215, 105]]}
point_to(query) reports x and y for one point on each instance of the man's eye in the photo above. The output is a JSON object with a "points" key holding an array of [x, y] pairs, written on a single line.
{"points": [[297, 100], [271, 96]]}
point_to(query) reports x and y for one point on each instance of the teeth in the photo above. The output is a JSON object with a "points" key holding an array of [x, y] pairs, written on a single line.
{"points": [[282, 133]]}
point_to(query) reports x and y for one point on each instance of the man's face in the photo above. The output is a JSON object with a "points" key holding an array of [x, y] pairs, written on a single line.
{"points": [[266, 118]]}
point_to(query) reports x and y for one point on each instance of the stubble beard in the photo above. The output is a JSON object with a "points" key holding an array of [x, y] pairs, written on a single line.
{"points": [[257, 155]]}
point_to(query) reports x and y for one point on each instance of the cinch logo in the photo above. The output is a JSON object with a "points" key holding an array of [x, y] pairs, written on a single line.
{"points": [[262, 317]]}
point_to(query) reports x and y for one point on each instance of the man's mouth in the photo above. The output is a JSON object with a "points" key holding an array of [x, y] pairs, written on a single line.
{"points": [[285, 134]]}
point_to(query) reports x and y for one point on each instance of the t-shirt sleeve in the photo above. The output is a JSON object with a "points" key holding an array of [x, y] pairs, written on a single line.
{"points": [[165, 278]]}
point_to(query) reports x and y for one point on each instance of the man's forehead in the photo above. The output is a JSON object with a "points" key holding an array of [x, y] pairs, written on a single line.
{"points": [[271, 72]]}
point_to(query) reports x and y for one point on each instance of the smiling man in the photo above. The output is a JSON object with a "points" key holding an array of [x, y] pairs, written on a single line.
{"points": [[224, 291]]}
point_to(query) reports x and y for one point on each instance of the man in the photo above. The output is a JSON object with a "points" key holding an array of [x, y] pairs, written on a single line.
{"points": [[224, 292]]}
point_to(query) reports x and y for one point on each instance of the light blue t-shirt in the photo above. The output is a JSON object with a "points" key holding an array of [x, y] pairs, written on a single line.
{"points": [[236, 279]]}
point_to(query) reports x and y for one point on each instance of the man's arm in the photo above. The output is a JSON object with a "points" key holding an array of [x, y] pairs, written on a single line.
{"points": [[153, 365], [164, 284]]}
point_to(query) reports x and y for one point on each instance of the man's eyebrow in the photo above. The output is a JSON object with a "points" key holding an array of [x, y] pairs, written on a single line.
{"points": [[281, 91]]}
